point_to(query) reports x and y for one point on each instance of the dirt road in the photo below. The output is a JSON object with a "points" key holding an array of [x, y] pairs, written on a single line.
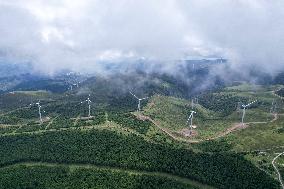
{"points": [[276, 169]]}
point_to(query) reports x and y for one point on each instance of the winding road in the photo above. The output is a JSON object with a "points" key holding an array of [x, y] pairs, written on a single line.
{"points": [[276, 169]]}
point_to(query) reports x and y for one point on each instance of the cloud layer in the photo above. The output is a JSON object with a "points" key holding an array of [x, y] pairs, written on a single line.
{"points": [[84, 35]]}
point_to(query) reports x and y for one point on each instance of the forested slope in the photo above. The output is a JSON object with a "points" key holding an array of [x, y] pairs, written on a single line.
{"points": [[102, 147]]}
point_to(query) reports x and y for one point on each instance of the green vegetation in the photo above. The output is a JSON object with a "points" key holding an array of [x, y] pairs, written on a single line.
{"points": [[97, 119], [61, 122], [102, 147], [259, 136], [63, 176], [9, 120], [7, 129], [21, 99], [129, 120], [117, 137], [225, 104], [33, 126], [172, 113], [56, 86], [218, 145], [169, 110], [244, 87]]}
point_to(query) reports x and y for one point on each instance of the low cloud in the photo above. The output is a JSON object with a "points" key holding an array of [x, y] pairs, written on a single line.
{"points": [[87, 35]]}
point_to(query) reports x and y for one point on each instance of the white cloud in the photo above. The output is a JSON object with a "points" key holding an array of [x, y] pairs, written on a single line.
{"points": [[81, 34]]}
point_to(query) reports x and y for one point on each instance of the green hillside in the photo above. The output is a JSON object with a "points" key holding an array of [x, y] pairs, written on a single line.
{"points": [[147, 149]]}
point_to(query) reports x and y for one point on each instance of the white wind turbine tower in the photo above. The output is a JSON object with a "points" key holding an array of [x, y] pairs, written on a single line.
{"points": [[244, 110], [139, 101], [190, 118], [39, 111], [89, 105]]}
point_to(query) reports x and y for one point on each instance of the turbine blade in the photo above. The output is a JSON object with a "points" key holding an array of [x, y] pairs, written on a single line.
{"points": [[134, 95], [188, 119]]}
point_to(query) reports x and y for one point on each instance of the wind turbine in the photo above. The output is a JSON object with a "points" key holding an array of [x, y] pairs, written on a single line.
{"points": [[139, 101], [244, 110], [190, 118], [39, 111], [76, 84], [89, 105]]}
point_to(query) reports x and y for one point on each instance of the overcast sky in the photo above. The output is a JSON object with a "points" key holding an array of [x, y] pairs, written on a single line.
{"points": [[84, 34]]}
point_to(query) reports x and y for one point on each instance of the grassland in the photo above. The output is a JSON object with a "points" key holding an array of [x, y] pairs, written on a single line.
{"points": [[172, 113], [259, 136]]}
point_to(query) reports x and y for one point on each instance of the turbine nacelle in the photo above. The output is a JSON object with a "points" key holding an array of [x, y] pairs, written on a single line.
{"points": [[139, 100]]}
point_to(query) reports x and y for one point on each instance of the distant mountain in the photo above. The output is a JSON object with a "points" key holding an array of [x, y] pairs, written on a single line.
{"points": [[8, 69], [19, 76]]}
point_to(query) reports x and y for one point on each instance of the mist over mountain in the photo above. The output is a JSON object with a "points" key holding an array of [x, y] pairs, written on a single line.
{"points": [[105, 36], [195, 45]]}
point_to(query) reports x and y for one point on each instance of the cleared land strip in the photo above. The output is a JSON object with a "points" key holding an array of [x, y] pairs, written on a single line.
{"points": [[118, 169], [50, 122], [54, 130], [235, 127], [276, 169], [109, 125]]}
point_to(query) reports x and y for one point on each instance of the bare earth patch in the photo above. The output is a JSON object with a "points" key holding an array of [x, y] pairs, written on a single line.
{"points": [[44, 119], [82, 118], [142, 117], [236, 126], [186, 133]]}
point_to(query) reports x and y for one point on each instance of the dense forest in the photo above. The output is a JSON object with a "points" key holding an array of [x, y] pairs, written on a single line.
{"points": [[108, 148], [222, 103], [58, 177], [55, 86], [129, 120]]}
